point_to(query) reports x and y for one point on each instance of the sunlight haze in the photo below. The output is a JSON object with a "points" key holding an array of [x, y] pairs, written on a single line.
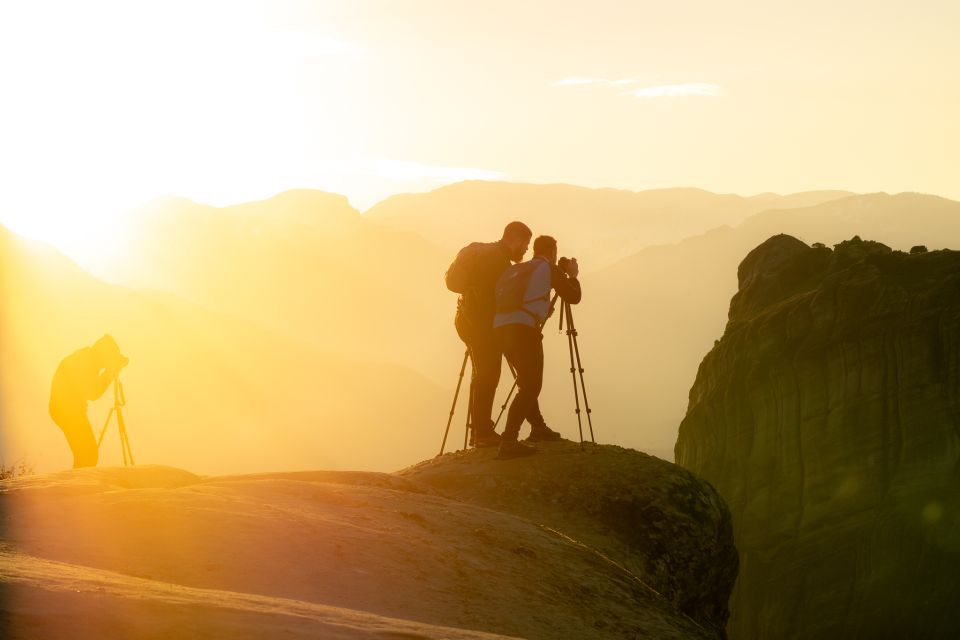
{"points": [[437, 319], [110, 104]]}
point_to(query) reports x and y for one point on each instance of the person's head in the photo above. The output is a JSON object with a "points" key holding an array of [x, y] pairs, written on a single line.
{"points": [[545, 247], [107, 352], [516, 238]]}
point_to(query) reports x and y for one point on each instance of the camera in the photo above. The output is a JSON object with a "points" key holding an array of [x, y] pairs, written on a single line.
{"points": [[119, 361], [568, 266]]}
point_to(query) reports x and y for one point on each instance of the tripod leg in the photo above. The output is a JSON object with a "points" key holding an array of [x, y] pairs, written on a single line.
{"points": [[469, 427], [573, 374], [583, 387], [106, 424], [503, 407], [124, 440], [453, 407]]}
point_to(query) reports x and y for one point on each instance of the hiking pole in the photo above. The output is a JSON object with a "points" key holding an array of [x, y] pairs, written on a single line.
{"points": [[453, 407], [572, 331], [119, 401]]}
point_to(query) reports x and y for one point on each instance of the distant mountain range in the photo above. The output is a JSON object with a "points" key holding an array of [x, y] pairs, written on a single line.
{"points": [[598, 226], [344, 288]]}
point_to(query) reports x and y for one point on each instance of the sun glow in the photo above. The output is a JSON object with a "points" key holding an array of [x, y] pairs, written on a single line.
{"points": [[115, 103]]}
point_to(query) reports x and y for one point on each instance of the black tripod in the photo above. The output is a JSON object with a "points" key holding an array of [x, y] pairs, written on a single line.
{"points": [[119, 400], [574, 348], [453, 407]]}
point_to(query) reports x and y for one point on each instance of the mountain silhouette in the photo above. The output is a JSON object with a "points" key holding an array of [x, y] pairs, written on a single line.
{"points": [[307, 266], [598, 226], [303, 263]]}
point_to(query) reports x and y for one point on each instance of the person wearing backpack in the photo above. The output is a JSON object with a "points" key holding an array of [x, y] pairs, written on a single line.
{"points": [[474, 274], [523, 304]]}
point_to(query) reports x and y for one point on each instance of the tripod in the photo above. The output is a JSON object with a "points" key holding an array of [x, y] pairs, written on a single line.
{"points": [[574, 348], [453, 407], [119, 400]]}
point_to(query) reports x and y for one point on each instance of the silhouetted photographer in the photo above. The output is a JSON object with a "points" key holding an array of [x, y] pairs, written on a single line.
{"points": [[523, 306], [83, 376]]}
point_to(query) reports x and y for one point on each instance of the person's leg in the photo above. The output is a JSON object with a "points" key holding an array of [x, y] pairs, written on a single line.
{"points": [[524, 350], [534, 417], [539, 431], [487, 361], [76, 427]]}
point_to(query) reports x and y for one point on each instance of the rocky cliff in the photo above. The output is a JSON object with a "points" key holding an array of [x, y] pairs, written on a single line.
{"points": [[607, 543], [828, 418]]}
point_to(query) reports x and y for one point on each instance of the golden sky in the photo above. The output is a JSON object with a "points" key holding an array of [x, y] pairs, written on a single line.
{"points": [[109, 103]]}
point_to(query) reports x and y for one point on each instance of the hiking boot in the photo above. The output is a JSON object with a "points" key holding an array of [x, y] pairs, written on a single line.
{"points": [[513, 449], [485, 439], [543, 434]]}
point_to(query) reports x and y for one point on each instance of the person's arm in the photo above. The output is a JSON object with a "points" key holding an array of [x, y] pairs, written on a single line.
{"points": [[103, 381], [567, 286]]}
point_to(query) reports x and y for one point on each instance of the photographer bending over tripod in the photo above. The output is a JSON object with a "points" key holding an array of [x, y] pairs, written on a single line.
{"points": [[523, 305], [83, 376]]}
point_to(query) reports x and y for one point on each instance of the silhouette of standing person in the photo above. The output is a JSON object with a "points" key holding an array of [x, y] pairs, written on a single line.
{"points": [[473, 274], [518, 333], [81, 377]]}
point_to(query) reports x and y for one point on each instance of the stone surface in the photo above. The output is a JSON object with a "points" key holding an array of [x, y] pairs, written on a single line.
{"points": [[609, 543], [828, 418], [657, 520]]}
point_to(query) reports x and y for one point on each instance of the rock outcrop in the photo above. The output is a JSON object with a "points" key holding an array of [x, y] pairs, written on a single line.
{"points": [[828, 418], [663, 524], [608, 543]]}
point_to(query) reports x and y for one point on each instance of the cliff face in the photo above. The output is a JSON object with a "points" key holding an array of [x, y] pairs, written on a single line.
{"points": [[828, 418]]}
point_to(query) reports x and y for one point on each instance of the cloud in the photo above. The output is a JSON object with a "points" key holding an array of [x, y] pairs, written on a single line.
{"points": [[702, 89]]}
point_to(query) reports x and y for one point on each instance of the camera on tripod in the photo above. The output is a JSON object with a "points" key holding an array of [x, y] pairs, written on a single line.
{"points": [[564, 264], [118, 361]]}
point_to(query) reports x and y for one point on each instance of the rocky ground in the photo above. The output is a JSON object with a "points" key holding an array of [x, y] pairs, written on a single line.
{"points": [[429, 552]]}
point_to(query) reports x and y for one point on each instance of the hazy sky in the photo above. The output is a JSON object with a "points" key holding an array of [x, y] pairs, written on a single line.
{"points": [[107, 104]]}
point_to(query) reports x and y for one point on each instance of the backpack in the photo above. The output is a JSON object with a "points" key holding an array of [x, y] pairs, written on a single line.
{"points": [[458, 277], [512, 287]]}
